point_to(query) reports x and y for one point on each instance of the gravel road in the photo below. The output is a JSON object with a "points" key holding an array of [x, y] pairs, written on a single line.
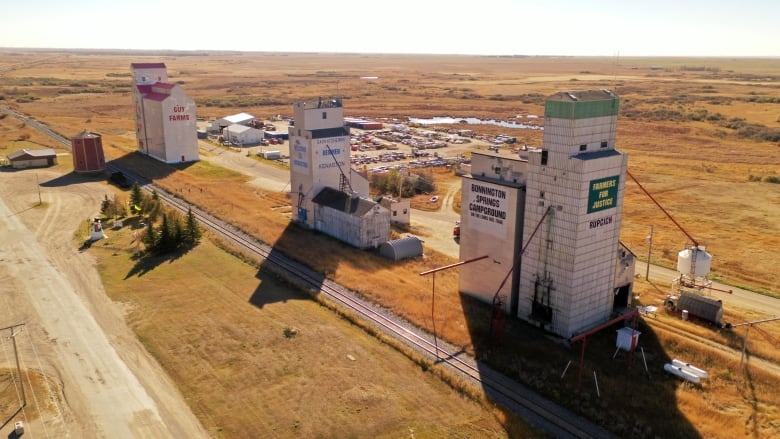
{"points": [[106, 384]]}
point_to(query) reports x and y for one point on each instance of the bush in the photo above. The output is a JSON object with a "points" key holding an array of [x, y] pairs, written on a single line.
{"points": [[772, 179]]}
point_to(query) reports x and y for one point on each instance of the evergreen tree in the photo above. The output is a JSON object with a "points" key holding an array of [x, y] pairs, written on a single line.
{"points": [[192, 231], [150, 237], [166, 241], [178, 230], [136, 196]]}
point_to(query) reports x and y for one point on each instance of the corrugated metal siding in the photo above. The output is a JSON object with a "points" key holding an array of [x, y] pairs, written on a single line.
{"points": [[397, 249]]}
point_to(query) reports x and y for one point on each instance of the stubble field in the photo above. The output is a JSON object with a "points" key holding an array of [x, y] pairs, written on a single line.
{"points": [[701, 134]]}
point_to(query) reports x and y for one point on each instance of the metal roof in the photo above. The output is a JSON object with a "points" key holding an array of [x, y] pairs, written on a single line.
{"points": [[238, 118], [147, 65], [344, 202], [397, 249], [583, 96], [86, 135], [32, 153]]}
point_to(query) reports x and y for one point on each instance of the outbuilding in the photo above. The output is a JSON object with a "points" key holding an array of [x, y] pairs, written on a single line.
{"points": [[242, 135], [403, 248], [88, 154], [234, 119], [277, 136], [357, 221], [33, 158]]}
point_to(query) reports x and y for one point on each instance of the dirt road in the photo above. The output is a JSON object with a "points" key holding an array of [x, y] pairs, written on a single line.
{"points": [[103, 382]]}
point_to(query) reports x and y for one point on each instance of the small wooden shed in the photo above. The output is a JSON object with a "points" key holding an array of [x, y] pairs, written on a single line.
{"points": [[33, 158]]}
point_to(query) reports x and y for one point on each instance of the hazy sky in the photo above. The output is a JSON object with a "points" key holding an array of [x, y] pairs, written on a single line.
{"points": [[485, 27]]}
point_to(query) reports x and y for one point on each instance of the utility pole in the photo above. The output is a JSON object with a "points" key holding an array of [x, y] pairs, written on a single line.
{"points": [[649, 253], [433, 293], [18, 369], [38, 183]]}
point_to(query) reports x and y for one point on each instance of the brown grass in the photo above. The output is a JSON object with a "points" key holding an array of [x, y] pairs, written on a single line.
{"points": [[700, 171], [248, 353]]}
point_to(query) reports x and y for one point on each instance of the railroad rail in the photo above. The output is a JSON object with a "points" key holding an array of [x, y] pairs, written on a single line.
{"points": [[542, 413]]}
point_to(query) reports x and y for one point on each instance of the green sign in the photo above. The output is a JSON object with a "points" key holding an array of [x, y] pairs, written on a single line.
{"points": [[602, 193]]}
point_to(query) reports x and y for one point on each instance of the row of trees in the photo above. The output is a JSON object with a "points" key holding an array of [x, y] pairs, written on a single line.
{"points": [[172, 233], [174, 230]]}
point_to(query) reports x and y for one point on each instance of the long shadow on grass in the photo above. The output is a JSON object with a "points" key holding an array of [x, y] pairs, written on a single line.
{"points": [[146, 262], [295, 244], [622, 398], [143, 169]]}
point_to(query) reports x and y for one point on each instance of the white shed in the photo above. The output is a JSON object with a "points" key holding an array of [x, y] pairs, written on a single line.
{"points": [[242, 135], [237, 119]]}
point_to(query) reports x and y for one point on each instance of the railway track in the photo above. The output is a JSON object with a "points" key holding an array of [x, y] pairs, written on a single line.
{"points": [[542, 413]]}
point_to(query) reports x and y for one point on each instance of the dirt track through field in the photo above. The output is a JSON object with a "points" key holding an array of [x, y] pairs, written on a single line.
{"points": [[111, 386]]}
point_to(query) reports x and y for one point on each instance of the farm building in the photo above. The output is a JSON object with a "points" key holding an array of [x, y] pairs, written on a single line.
{"points": [[274, 135], [234, 119], [362, 124], [563, 205], [242, 135], [32, 158], [400, 210], [87, 149], [164, 115], [403, 248], [357, 221]]}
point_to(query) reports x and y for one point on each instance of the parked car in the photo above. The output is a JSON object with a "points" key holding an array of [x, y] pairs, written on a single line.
{"points": [[120, 180]]}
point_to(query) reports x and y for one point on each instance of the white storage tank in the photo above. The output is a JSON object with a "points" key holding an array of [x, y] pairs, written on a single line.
{"points": [[694, 261]]}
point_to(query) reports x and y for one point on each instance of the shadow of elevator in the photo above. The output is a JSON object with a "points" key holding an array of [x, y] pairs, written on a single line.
{"points": [[606, 387]]}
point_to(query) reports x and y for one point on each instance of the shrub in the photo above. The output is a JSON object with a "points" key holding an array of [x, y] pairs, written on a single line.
{"points": [[772, 179]]}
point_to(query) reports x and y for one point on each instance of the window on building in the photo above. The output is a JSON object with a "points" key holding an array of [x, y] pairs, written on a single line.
{"points": [[395, 213], [604, 144], [541, 194], [324, 114], [583, 147], [404, 211], [544, 158]]}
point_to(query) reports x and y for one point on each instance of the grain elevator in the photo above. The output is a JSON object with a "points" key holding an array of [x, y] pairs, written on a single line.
{"points": [[569, 271]]}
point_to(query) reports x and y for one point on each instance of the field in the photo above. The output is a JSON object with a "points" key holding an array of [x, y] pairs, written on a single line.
{"points": [[702, 136]]}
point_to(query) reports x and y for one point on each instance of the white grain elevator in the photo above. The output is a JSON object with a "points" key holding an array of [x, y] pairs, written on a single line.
{"points": [[574, 200]]}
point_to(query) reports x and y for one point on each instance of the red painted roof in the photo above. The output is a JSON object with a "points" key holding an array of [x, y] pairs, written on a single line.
{"points": [[147, 65], [143, 89], [164, 85], [157, 96]]}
